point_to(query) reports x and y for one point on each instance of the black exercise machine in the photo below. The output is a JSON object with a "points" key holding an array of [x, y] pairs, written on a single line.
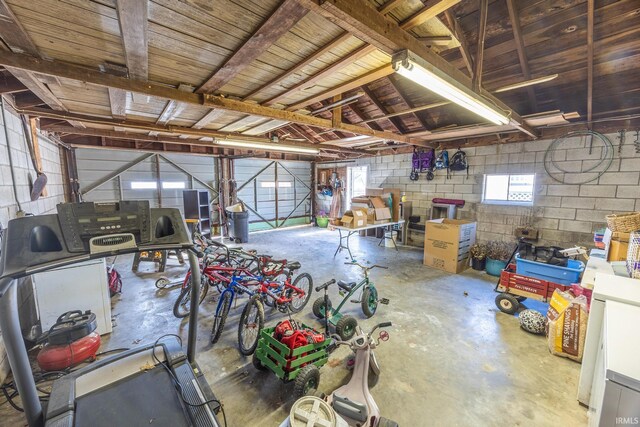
{"points": [[155, 384]]}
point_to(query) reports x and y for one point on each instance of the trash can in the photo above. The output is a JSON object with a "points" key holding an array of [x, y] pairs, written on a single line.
{"points": [[238, 226]]}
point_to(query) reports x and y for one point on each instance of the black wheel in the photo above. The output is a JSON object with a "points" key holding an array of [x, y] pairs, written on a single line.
{"points": [[318, 307], [298, 301], [182, 306], [220, 317], [346, 327], [385, 422], [307, 381], [162, 283], [251, 323], [507, 303], [257, 363], [369, 301]]}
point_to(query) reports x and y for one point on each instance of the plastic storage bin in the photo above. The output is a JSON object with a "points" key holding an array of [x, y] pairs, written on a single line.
{"points": [[552, 273]]}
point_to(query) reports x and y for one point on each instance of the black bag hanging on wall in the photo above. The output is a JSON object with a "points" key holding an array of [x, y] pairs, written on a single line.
{"points": [[459, 162]]}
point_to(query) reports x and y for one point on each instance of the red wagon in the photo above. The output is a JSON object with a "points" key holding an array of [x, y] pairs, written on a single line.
{"points": [[515, 288]]}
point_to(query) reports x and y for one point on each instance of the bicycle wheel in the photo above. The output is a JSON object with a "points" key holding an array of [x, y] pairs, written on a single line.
{"points": [[182, 306], [300, 300], [220, 317], [251, 323], [268, 301]]}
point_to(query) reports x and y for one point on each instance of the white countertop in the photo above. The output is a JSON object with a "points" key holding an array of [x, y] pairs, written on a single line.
{"points": [[615, 288]]}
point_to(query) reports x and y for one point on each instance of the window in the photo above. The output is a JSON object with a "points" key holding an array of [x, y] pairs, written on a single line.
{"points": [[173, 185], [144, 185], [508, 189], [272, 184], [356, 182]]}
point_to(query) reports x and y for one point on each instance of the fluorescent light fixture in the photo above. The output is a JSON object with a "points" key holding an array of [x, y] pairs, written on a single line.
{"points": [[406, 64], [526, 83], [267, 146]]}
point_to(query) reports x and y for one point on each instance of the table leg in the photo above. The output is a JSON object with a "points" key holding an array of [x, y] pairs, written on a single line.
{"points": [[339, 244], [342, 246], [348, 249]]}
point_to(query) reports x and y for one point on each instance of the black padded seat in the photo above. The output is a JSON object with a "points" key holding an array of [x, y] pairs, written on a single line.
{"points": [[346, 286], [293, 266]]}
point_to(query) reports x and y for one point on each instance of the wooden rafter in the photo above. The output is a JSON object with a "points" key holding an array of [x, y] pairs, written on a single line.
{"points": [[395, 122], [324, 73], [74, 72], [363, 119], [456, 30], [590, 17], [133, 20], [280, 22], [364, 79], [432, 9], [406, 101], [482, 33], [208, 118], [173, 108], [117, 97], [300, 65], [522, 56], [363, 21], [389, 6]]}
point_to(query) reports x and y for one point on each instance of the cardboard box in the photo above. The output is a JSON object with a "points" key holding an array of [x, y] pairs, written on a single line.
{"points": [[354, 218], [616, 245], [395, 199], [447, 243], [377, 211]]}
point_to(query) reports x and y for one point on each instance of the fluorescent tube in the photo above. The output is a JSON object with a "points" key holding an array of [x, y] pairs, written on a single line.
{"points": [[267, 146]]}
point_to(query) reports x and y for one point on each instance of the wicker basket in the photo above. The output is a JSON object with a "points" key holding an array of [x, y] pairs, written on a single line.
{"points": [[624, 223]]}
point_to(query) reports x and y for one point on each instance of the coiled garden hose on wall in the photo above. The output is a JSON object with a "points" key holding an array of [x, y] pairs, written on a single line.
{"points": [[556, 170]]}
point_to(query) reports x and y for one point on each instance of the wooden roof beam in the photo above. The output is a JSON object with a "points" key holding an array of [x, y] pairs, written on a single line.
{"points": [[360, 115], [130, 124], [279, 22], [410, 105], [324, 73], [300, 65], [432, 9], [133, 19], [522, 56], [395, 122], [389, 6], [369, 77], [457, 31], [482, 33], [89, 76], [208, 118], [363, 21]]}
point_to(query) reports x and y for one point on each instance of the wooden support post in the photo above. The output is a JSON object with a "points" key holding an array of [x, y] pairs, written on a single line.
{"points": [[336, 113]]}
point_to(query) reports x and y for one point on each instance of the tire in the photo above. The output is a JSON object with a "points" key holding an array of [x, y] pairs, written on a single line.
{"points": [[369, 303], [507, 303], [182, 306], [306, 382], [346, 327], [220, 317], [385, 422], [257, 363], [251, 323], [305, 283], [318, 307], [162, 283]]}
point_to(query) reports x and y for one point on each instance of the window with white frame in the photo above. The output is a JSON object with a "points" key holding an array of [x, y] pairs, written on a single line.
{"points": [[173, 185], [144, 185], [508, 189]]}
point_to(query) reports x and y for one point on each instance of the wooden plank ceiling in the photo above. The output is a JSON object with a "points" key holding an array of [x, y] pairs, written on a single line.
{"points": [[264, 60]]}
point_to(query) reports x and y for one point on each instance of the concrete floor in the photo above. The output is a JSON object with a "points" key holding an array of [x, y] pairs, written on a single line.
{"points": [[453, 359]]}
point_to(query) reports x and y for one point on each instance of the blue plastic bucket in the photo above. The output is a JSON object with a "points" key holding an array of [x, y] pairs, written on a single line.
{"points": [[551, 273], [495, 267]]}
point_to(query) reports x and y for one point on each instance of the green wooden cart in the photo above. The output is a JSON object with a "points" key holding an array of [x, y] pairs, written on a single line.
{"points": [[299, 365]]}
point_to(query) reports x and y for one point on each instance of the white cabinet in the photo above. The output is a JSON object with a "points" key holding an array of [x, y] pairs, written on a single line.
{"points": [[81, 286], [615, 396]]}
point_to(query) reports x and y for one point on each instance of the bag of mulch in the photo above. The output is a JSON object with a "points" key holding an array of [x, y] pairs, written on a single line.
{"points": [[567, 325]]}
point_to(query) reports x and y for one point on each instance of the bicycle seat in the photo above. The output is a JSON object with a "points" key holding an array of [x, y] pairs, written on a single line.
{"points": [[346, 286], [293, 266]]}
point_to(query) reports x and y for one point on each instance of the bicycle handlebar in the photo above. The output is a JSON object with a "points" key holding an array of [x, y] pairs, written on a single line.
{"points": [[325, 285], [365, 267]]}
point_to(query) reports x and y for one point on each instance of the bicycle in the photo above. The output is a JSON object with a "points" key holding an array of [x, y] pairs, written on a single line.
{"points": [[346, 325]]}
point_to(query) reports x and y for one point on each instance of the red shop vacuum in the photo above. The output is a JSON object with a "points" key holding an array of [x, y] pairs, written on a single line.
{"points": [[70, 341]]}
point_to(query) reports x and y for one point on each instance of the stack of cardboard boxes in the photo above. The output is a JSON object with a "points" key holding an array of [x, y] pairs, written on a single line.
{"points": [[616, 244], [366, 210]]}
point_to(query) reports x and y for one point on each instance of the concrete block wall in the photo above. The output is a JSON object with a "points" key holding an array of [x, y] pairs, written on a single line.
{"points": [[565, 214], [22, 170]]}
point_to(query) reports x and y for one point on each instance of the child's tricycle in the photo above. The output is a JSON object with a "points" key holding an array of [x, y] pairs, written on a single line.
{"points": [[293, 352], [346, 325]]}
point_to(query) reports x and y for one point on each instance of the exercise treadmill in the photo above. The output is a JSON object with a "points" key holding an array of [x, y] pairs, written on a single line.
{"points": [[156, 384]]}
